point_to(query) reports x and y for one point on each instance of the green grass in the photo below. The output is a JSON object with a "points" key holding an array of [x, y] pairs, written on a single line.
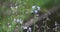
{"points": [[23, 5]]}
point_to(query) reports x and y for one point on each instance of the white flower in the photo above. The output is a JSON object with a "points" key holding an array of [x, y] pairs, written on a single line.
{"points": [[33, 7], [18, 20], [47, 18], [16, 7], [17, 26], [21, 21], [56, 23], [8, 23], [24, 27], [12, 8], [9, 26], [29, 29], [38, 8], [14, 19], [36, 11]]}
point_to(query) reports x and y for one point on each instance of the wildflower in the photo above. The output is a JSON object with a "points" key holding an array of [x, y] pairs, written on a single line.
{"points": [[38, 8], [8, 23], [17, 26], [9, 26], [21, 21], [33, 7], [56, 23], [47, 18], [11, 6], [16, 7], [14, 19], [35, 11], [29, 29], [17, 20], [24, 27]]}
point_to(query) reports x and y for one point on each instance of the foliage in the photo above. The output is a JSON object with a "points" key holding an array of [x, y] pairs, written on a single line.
{"points": [[10, 9]]}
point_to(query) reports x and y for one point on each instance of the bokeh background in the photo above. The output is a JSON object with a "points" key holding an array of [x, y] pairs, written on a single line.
{"points": [[15, 13]]}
